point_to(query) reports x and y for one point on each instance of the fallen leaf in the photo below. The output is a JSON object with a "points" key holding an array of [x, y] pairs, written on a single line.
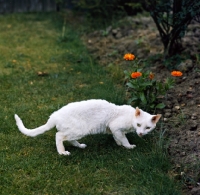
{"points": [[40, 73], [177, 107]]}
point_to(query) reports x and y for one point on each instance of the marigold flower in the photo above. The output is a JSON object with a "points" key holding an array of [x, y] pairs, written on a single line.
{"points": [[176, 73], [151, 76], [135, 75], [129, 56]]}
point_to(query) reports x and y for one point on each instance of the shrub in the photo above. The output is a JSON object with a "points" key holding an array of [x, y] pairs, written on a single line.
{"points": [[172, 19], [102, 12]]}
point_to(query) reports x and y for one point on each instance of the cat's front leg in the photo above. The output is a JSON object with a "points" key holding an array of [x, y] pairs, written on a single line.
{"points": [[121, 139], [129, 146], [117, 142]]}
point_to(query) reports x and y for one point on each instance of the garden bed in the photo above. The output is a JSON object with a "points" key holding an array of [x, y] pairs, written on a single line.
{"points": [[181, 116]]}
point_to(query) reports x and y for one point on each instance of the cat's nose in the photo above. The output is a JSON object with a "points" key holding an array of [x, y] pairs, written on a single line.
{"points": [[140, 134]]}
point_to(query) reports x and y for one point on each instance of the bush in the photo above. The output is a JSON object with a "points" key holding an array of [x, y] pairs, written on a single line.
{"points": [[103, 12], [172, 19]]}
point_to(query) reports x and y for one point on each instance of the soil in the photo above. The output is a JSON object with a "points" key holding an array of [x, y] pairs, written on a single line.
{"points": [[181, 116]]}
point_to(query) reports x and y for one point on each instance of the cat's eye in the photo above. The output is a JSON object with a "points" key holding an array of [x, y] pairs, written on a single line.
{"points": [[148, 127], [139, 125]]}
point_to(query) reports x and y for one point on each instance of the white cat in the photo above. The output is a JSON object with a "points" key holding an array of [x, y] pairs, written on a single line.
{"points": [[79, 119]]}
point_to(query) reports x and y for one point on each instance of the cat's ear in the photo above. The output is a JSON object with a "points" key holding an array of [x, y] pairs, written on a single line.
{"points": [[156, 118], [137, 112]]}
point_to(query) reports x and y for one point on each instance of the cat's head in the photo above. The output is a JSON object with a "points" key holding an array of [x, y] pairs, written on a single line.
{"points": [[144, 122]]}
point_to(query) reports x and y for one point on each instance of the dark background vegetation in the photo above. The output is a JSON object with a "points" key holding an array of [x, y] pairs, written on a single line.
{"points": [[171, 17]]}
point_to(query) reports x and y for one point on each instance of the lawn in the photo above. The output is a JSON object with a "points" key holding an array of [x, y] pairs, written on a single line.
{"points": [[42, 68]]}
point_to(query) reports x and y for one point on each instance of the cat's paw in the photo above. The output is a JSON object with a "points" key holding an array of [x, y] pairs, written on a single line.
{"points": [[66, 153], [130, 146], [83, 145]]}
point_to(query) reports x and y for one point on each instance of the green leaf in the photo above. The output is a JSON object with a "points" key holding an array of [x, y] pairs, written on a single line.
{"points": [[160, 106], [130, 85], [143, 98], [126, 72], [152, 106], [132, 99], [139, 70], [145, 84]]}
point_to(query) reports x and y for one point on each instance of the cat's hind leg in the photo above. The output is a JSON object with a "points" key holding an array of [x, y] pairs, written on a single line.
{"points": [[60, 137], [77, 144]]}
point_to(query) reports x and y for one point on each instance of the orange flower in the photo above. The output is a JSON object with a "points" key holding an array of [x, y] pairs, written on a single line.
{"points": [[176, 73], [151, 76], [129, 56], [135, 75]]}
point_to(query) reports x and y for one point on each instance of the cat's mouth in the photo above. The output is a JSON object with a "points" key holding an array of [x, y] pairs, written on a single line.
{"points": [[140, 134]]}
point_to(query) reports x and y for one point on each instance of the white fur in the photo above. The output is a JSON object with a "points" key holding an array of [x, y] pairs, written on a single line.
{"points": [[79, 119]]}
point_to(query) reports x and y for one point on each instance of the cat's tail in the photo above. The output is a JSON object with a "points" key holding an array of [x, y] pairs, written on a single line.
{"points": [[33, 132]]}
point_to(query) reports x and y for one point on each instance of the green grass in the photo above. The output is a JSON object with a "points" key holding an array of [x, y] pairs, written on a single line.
{"points": [[34, 42]]}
